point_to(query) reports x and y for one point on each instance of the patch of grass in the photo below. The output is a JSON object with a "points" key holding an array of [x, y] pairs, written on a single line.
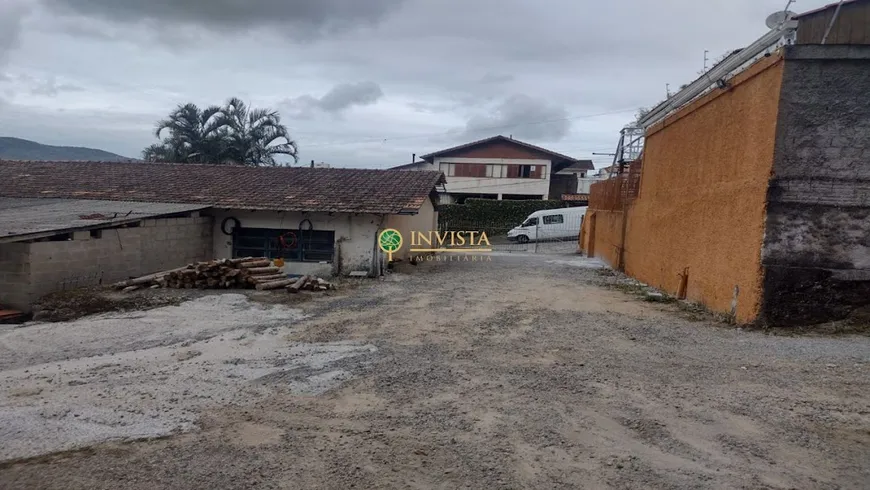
{"points": [[606, 272], [642, 290], [700, 313]]}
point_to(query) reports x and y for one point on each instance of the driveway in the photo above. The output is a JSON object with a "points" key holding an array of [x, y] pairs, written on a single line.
{"points": [[519, 372]]}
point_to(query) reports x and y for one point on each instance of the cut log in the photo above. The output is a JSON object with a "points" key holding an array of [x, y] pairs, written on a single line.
{"points": [[255, 264], [296, 286], [130, 289], [323, 284], [214, 274], [145, 279], [243, 260], [274, 277], [265, 286], [263, 271]]}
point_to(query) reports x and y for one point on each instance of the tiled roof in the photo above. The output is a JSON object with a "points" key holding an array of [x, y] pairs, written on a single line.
{"points": [[226, 186], [523, 144], [410, 166], [580, 165]]}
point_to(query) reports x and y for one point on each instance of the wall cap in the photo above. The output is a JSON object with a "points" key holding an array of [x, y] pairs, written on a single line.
{"points": [[827, 52]]}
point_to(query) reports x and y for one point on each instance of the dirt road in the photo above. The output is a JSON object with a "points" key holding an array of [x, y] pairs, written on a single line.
{"points": [[521, 372]]}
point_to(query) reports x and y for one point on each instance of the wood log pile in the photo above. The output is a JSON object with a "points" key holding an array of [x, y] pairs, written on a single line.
{"points": [[247, 273], [308, 283]]}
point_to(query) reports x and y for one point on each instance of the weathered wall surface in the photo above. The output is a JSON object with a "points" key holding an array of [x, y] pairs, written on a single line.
{"points": [[424, 221], [355, 237], [850, 26], [562, 184], [817, 243], [604, 241], [117, 254], [14, 275], [702, 196]]}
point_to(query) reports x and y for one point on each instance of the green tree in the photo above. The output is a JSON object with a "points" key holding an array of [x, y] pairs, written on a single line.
{"points": [[231, 134], [255, 136]]}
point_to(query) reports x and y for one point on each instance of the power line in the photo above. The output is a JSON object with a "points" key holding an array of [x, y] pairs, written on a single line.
{"points": [[449, 133]]}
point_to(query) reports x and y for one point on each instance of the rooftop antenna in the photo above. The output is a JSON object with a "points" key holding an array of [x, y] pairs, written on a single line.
{"points": [[782, 19]]}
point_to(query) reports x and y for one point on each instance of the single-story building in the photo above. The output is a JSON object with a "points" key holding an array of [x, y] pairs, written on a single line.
{"points": [[74, 224]]}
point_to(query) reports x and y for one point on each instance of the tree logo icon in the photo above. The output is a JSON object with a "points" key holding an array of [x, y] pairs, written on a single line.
{"points": [[390, 241]]}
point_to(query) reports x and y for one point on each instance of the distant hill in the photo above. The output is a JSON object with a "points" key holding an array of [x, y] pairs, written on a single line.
{"points": [[19, 149]]}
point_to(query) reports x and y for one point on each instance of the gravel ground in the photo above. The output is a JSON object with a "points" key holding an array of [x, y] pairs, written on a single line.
{"points": [[519, 372], [138, 375]]}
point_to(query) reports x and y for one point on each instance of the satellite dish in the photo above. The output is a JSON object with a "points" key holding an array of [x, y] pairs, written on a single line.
{"points": [[782, 19]]}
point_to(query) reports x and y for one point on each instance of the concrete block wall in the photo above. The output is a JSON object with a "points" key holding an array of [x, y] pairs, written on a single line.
{"points": [[816, 254], [112, 255], [14, 274]]}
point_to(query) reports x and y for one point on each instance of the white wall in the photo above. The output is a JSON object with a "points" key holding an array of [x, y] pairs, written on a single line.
{"points": [[424, 221], [584, 183], [488, 185], [355, 237]]}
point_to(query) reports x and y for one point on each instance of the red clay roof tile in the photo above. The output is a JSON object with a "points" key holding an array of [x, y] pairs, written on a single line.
{"points": [[230, 186]]}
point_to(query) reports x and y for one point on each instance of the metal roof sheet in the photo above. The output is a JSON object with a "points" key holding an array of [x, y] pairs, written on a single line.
{"points": [[25, 217]]}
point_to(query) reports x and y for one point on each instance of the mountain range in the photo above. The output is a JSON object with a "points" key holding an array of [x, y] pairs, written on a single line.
{"points": [[21, 149]]}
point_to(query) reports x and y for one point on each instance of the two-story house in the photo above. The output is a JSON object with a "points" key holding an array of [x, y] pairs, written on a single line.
{"points": [[497, 168]]}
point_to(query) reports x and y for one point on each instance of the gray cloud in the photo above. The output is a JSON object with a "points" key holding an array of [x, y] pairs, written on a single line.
{"points": [[50, 88], [340, 98], [496, 79], [445, 64], [12, 13], [295, 18], [348, 94], [525, 117]]}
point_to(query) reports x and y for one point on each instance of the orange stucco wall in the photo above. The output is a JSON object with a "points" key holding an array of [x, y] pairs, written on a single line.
{"points": [[607, 235], [703, 195]]}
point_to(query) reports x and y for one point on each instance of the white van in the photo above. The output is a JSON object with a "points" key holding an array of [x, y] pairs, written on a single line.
{"points": [[551, 224]]}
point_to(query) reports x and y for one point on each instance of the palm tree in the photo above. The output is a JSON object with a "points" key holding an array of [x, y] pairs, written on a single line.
{"points": [[256, 136], [195, 136], [230, 134]]}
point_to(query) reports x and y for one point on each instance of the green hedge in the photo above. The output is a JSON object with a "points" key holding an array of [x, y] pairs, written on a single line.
{"points": [[488, 214]]}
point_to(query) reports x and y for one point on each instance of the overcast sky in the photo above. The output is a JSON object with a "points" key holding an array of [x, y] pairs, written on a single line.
{"points": [[360, 83]]}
